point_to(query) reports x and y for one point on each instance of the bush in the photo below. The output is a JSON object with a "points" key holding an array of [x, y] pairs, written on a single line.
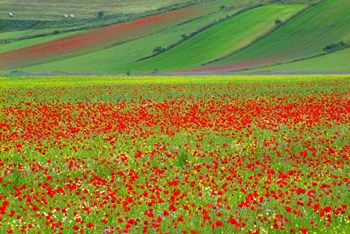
{"points": [[335, 46], [157, 50], [100, 14], [278, 22]]}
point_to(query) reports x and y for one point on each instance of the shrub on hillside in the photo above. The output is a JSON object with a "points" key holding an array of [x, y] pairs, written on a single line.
{"points": [[100, 14], [335, 46], [157, 50], [278, 22]]}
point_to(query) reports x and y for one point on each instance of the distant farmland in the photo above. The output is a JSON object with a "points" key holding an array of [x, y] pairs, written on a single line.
{"points": [[53, 9]]}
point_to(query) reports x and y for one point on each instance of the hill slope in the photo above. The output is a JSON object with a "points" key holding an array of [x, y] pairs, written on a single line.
{"points": [[304, 36], [96, 39], [33, 41], [116, 58], [223, 38], [113, 58], [333, 62], [212, 36]]}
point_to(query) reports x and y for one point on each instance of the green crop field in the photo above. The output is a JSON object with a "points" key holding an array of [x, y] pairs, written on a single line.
{"points": [[304, 36], [231, 34], [219, 40], [334, 62], [113, 59], [22, 34], [201, 36]]}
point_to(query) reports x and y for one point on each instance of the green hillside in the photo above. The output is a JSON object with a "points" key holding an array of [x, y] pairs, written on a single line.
{"points": [[114, 59], [219, 40], [22, 33], [305, 36], [334, 62], [200, 36]]}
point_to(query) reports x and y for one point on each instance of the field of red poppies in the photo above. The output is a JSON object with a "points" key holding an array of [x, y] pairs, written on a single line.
{"points": [[191, 155]]}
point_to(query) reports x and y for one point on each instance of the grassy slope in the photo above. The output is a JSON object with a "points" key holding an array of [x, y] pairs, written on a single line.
{"points": [[33, 41], [23, 33], [114, 59], [228, 36], [99, 38], [95, 39], [304, 36], [334, 62], [53, 9]]}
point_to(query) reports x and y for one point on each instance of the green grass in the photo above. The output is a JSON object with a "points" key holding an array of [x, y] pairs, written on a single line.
{"points": [[301, 37], [23, 33], [114, 58], [63, 81], [220, 39], [33, 41], [201, 10], [55, 9], [304, 36], [333, 62]]}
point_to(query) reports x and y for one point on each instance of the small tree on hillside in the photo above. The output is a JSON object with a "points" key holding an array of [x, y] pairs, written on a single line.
{"points": [[100, 14], [157, 50], [278, 21]]}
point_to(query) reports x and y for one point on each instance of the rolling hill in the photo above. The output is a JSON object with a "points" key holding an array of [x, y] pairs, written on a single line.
{"points": [[18, 44], [219, 40], [333, 62], [95, 39], [304, 36], [202, 36], [99, 39], [114, 59]]}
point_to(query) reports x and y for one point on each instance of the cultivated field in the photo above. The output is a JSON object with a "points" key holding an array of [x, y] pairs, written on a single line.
{"points": [[206, 36], [175, 154], [301, 38], [224, 38]]}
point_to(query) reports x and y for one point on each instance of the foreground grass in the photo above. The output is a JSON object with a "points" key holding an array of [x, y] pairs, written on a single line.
{"points": [[57, 81]]}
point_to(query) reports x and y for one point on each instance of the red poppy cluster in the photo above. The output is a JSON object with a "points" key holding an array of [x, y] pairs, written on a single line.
{"points": [[256, 157]]}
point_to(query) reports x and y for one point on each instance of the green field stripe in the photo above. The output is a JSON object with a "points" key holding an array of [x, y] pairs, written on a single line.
{"points": [[59, 81], [220, 39], [116, 58], [333, 62], [304, 36]]}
